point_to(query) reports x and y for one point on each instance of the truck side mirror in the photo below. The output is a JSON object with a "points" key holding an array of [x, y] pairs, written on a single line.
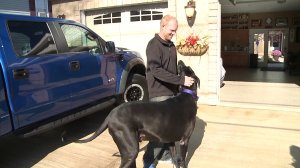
{"points": [[110, 45]]}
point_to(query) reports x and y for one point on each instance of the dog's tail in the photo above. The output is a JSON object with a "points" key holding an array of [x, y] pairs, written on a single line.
{"points": [[99, 131]]}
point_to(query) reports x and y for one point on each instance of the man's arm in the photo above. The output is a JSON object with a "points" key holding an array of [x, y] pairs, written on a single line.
{"points": [[156, 69]]}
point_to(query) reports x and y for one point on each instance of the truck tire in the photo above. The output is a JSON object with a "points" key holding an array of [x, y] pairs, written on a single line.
{"points": [[136, 89]]}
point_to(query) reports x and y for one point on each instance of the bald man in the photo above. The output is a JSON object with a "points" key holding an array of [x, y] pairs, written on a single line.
{"points": [[162, 80]]}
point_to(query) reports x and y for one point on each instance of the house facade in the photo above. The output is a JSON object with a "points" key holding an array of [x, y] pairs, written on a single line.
{"points": [[132, 23], [27, 7]]}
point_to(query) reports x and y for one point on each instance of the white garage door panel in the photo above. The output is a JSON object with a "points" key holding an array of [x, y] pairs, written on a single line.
{"points": [[141, 27], [138, 43], [137, 35], [109, 32], [20, 7], [127, 34]]}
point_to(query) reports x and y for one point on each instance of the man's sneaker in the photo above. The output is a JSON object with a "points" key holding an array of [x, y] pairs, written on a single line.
{"points": [[152, 166], [222, 85], [168, 161]]}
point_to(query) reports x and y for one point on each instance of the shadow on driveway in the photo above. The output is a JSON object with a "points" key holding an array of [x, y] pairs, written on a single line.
{"points": [[196, 138], [17, 152], [295, 152]]}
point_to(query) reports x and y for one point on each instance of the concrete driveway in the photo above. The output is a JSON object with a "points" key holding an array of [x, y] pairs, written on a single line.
{"points": [[248, 138], [224, 137]]}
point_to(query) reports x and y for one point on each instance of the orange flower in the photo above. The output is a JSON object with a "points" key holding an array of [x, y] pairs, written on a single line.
{"points": [[192, 40]]}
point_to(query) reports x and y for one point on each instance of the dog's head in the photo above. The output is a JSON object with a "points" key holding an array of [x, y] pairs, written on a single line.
{"points": [[188, 71]]}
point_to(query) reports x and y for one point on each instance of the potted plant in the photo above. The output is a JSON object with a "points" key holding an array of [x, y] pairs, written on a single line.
{"points": [[276, 54], [192, 45]]}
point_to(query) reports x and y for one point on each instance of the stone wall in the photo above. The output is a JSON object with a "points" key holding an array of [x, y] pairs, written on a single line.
{"points": [[206, 22]]}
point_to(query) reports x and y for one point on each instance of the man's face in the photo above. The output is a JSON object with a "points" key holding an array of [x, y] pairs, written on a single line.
{"points": [[170, 29]]}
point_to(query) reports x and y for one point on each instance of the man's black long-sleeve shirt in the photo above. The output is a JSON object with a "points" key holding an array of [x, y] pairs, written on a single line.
{"points": [[162, 78]]}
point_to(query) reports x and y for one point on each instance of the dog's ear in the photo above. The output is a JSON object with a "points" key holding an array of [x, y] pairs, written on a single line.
{"points": [[191, 71], [181, 63], [193, 75], [180, 66], [198, 81]]}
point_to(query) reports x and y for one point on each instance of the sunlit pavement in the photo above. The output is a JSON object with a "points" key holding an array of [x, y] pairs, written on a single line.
{"points": [[244, 137], [224, 136]]}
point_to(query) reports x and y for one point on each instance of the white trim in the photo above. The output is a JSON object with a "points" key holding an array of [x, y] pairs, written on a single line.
{"points": [[15, 12], [220, 61], [42, 14], [83, 17], [41, 8]]}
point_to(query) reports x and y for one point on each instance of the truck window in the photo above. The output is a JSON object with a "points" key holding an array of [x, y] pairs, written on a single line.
{"points": [[80, 39], [31, 38]]}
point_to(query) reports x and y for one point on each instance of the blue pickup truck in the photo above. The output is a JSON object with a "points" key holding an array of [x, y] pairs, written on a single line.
{"points": [[54, 71]]}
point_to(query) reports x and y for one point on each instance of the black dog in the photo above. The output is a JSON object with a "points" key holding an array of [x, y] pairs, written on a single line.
{"points": [[167, 121]]}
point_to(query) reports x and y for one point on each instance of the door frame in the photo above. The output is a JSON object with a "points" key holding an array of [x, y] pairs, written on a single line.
{"points": [[266, 45]]}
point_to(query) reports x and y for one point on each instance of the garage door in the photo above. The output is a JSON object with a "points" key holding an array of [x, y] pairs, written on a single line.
{"points": [[20, 7], [130, 27]]}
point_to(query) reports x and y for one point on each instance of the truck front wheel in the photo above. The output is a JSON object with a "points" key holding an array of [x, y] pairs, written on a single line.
{"points": [[136, 89]]}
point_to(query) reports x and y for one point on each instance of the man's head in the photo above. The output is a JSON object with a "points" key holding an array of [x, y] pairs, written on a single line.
{"points": [[168, 27]]}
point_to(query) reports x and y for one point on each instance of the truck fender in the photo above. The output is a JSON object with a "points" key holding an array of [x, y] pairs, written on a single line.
{"points": [[134, 76]]}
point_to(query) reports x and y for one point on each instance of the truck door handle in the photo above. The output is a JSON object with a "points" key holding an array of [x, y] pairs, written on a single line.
{"points": [[20, 74], [74, 65]]}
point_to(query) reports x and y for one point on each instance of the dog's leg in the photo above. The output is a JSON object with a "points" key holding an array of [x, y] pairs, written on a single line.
{"points": [[184, 144], [174, 154], [183, 152], [128, 145]]}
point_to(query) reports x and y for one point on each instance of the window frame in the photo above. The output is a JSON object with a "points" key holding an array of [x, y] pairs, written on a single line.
{"points": [[46, 36], [108, 18], [91, 33], [144, 15]]}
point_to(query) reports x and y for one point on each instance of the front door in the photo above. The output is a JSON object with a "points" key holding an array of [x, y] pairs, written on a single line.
{"points": [[270, 45]]}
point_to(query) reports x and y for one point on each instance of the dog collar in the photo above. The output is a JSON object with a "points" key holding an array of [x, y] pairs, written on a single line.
{"points": [[191, 92]]}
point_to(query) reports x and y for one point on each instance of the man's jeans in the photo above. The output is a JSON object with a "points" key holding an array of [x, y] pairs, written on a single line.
{"points": [[155, 150]]}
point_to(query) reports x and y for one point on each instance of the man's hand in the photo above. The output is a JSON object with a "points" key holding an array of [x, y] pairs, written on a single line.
{"points": [[188, 81]]}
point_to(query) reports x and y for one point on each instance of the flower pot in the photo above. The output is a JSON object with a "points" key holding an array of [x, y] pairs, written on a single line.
{"points": [[192, 51]]}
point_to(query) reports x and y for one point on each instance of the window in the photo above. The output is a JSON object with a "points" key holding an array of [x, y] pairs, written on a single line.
{"points": [[114, 17], [31, 38], [80, 39], [145, 15]]}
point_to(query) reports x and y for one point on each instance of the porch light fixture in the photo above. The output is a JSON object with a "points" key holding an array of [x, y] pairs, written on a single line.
{"points": [[190, 9]]}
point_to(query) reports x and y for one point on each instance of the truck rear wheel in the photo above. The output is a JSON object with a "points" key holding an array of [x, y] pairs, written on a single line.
{"points": [[136, 89]]}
